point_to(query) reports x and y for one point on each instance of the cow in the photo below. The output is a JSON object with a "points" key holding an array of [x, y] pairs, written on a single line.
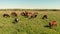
{"points": [[52, 23], [14, 14], [6, 15], [44, 17]]}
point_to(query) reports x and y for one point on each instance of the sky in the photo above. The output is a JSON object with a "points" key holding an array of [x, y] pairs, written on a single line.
{"points": [[30, 4]]}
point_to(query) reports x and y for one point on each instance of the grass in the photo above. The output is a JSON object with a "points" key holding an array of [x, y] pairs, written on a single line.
{"points": [[29, 26]]}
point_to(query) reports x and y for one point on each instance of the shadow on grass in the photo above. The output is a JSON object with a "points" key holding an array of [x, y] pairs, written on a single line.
{"points": [[47, 26]]}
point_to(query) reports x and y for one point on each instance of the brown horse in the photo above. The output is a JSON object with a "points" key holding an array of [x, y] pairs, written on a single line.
{"points": [[27, 14], [34, 15], [14, 14], [44, 17], [24, 13], [6, 15], [52, 23]]}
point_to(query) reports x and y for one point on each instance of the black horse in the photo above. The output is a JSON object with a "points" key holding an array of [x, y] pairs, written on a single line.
{"points": [[15, 20]]}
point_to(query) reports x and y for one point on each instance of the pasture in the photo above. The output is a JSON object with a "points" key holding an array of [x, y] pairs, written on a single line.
{"points": [[29, 26]]}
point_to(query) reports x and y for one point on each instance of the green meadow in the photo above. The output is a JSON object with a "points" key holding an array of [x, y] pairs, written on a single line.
{"points": [[29, 26]]}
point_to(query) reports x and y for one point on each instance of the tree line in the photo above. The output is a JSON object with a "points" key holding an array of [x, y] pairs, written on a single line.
{"points": [[29, 9]]}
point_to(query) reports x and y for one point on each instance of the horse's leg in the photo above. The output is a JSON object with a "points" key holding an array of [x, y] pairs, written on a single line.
{"points": [[50, 25]]}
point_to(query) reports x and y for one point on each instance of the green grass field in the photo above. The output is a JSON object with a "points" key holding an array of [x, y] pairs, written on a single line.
{"points": [[29, 26]]}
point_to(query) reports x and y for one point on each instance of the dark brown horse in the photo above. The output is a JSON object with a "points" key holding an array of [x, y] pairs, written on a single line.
{"points": [[27, 14], [44, 17], [24, 13], [34, 15], [14, 14], [6, 15]]}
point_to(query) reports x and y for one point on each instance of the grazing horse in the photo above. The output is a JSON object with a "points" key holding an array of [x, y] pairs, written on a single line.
{"points": [[34, 15], [29, 14], [24, 13], [14, 14], [52, 23], [44, 17], [6, 15], [15, 20]]}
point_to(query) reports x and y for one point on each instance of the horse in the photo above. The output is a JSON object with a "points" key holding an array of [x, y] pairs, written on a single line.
{"points": [[44, 17], [52, 23], [6, 15], [14, 14]]}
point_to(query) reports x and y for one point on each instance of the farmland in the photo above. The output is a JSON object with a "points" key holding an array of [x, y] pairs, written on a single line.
{"points": [[29, 26]]}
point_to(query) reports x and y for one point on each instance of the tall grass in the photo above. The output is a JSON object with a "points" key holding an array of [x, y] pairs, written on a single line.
{"points": [[30, 26]]}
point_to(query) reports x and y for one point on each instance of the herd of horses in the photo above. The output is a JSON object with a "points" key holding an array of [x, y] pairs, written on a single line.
{"points": [[7, 15], [31, 15]]}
